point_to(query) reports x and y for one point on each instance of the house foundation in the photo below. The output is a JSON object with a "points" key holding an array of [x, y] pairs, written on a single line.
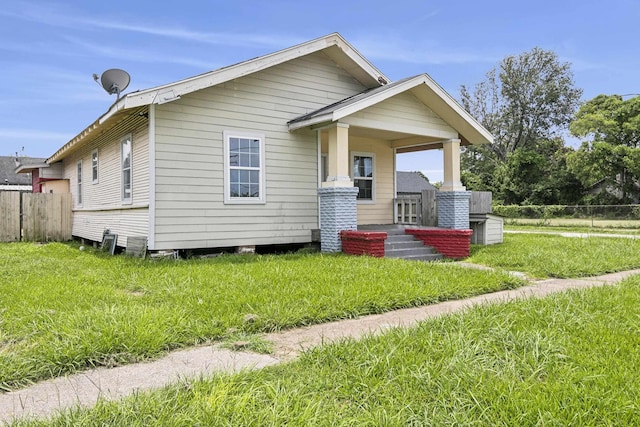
{"points": [[337, 213], [453, 209]]}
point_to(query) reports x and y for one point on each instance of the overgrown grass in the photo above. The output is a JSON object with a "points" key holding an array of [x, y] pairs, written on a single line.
{"points": [[569, 359], [63, 309], [543, 255]]}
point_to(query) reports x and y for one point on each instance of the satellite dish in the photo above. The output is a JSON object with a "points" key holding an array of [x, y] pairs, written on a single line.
{"points": [[114, 80]]}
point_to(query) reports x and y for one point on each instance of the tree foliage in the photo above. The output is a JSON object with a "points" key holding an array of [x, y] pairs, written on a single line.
{"points": [[610, 154], [528, 98], [525, 102]]}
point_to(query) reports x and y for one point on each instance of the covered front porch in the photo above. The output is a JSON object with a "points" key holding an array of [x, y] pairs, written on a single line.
{"points": [[358, 139]]}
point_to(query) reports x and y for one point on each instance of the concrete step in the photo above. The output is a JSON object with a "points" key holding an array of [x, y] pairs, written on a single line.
{"points": [[394, 238], [404, 244], [428, 257], [402, 253]]}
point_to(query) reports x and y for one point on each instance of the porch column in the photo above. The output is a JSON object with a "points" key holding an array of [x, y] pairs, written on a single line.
{"points": [[453, 199], [338, 158], [451, 156], [337, 194]]}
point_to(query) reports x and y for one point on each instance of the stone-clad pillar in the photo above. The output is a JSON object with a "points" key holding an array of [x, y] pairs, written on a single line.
{"points": [[453, 209], [337, 213], [453, 199]]}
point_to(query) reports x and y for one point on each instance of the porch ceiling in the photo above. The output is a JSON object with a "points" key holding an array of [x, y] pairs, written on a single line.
{"points": [[404, 142]]}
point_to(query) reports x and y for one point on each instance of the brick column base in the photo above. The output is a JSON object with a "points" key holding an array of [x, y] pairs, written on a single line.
{"points": [[363, 242], [453, 209], [450, 243], [337, 213]]}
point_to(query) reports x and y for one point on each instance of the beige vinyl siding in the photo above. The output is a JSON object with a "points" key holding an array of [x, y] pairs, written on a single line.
{"points": [[123, 222], [189, 180], [382, 211], [102, 205], [401, 110]]}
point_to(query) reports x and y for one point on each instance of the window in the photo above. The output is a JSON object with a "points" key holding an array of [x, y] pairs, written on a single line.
{"points": [[94, 166], [125, 145], [363, 172], [244, 168], [79, 182]]}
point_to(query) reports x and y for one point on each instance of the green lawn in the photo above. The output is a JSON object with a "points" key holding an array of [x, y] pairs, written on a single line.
{"points": [[543, 255], [569, 228], [63, 310], [593, 224], [568, 359]]}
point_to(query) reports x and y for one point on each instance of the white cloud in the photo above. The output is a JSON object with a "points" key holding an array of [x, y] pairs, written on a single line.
{"points": [[31, 134], [50, 15]]}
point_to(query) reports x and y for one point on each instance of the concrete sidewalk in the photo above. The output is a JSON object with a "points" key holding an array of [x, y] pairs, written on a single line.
{"points": [[86, 388]]}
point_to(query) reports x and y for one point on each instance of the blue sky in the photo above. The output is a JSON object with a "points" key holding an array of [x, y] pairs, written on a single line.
{"points": [[50, 50]]}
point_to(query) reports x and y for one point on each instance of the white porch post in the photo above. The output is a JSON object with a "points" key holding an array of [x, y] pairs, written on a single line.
{"points": [[452, 166], [337, 194], [338, 158], [453, 199]]}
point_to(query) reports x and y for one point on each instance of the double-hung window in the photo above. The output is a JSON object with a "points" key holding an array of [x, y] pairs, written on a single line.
{"points": [[244, 168], [94, 166], [79, 182], [126, 169], [363, 173]]}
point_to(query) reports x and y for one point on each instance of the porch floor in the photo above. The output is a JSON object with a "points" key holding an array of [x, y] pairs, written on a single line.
{"points": [[402, 245]]}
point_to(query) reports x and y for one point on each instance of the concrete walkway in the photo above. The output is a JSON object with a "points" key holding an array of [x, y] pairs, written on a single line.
{"points": [[85, 388]]}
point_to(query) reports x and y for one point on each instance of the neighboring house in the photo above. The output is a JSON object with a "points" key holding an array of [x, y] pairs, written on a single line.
{"points": [[10, 180], [409, 183], [45, 177], [606, 190], [262, 152]]}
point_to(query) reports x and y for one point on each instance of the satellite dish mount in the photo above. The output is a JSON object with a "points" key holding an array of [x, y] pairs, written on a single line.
{"points": [[113, 81]]}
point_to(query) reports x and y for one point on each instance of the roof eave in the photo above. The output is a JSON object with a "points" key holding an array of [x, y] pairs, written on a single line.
{"points": [[172, 91], [29, 168]]}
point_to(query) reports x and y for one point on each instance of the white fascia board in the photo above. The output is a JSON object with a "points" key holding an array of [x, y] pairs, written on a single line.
{"points": [[29, 168], [425, 79], [457, 108], [312, 121], [172, 91], [359, 59], [216, 77]]}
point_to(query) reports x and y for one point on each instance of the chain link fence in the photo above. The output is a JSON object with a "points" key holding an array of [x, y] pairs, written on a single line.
{"points": [[626, 216]]}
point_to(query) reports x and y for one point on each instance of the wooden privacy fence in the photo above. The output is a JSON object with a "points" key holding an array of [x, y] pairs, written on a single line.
{"points": [[480, 203], [35, 217]]}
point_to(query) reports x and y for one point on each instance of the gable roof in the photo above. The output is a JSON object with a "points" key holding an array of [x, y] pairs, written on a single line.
{"points": [[423, 87], [8, 169], [333, 45], [412, 182]]}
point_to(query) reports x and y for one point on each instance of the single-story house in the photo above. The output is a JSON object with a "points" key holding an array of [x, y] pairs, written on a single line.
{"points": [[11, 180], [262, 152], [410, 183]]}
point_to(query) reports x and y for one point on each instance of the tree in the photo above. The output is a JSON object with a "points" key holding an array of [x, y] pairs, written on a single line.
{"points": [[610, 153], [539, 176], [531, 97], [528, 100]]}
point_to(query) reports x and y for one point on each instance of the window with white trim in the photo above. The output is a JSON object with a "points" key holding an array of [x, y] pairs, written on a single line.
{"points": [[363, 174], [244, 167], [79, 182], [126, 169], [94, 166]]}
